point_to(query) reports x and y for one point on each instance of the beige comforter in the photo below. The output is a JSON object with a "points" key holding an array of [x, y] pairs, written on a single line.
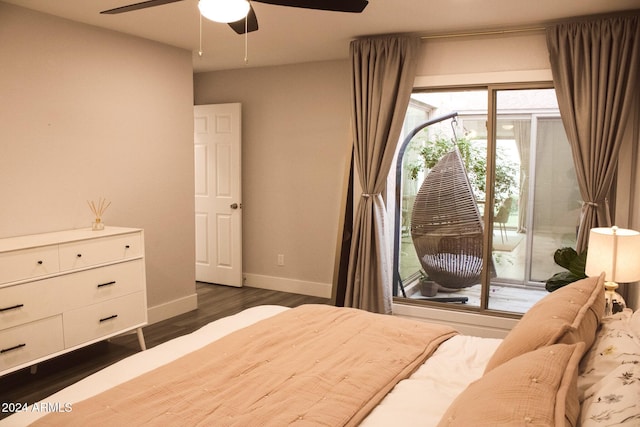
{"points": [[312, 365]]}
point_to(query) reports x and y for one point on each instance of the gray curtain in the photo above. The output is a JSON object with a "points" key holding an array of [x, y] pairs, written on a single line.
{"points": [[383, 70], [595, 65]]}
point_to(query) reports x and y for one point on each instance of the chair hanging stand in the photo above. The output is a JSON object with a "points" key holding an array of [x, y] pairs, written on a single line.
{"points": [[397, 279], [446, 225]]}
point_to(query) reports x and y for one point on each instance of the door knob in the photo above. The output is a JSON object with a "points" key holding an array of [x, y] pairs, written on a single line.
{"points": [[234, 206]]}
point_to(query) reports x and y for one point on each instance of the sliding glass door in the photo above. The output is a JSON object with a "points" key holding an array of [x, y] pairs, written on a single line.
{"points": [[486, 194]]}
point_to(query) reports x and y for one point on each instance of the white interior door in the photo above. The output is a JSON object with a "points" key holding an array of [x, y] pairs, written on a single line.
{"points": [[218, 200]]}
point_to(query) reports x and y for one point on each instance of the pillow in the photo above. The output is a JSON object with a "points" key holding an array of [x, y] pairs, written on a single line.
{"points": [[568, 315], [614, 399], [616, 344], [537, 388], [609, 380]]}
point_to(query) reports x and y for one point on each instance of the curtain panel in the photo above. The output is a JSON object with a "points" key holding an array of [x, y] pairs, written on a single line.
{"points": [[595, 66], [522, 132], [383, 70]]}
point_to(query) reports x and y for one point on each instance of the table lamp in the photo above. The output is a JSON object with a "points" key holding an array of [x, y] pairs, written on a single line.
{"points": [[616, 252]]}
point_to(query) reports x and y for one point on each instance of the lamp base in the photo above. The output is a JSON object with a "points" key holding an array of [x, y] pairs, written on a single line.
{"points": [[613, 301]]}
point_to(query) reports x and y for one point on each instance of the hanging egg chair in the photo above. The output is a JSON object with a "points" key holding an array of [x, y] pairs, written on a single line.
{"points": [[446, 226]]}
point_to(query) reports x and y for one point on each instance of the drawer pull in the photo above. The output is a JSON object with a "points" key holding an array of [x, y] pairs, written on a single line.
{"points": [[39, 262], [13, 307], [15, 347], [79, 255], [104, 319], [127, 247], [113, 282]]}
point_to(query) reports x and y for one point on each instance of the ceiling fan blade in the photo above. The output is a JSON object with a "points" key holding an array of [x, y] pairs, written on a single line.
{"points": [[355, 6], [252, 23], [137, 6]]}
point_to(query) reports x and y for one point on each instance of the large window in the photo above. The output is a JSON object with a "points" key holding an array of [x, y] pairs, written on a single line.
{"points": [[485, 194]]}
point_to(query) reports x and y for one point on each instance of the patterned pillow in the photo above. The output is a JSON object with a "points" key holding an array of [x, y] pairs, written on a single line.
{"points": [[537, 388], [609, 381], [568, 315]]}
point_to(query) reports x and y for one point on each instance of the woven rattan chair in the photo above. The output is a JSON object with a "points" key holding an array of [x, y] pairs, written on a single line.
{"points": [[446, 226]]}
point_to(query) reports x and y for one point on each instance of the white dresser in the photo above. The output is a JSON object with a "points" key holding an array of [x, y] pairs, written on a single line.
{"points": [[64, 290]]}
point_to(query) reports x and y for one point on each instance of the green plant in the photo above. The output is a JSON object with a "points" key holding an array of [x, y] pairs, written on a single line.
{"points": [[574, 263], [474, 157]]}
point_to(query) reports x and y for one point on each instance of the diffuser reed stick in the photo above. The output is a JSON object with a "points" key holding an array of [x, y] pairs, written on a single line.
{"points": [[98, 210]]}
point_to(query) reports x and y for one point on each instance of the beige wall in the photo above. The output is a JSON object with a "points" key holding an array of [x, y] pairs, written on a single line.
{"points": [[88, 113], [295, 148]]}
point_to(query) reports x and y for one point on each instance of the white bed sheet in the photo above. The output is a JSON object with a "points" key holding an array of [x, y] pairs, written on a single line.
{"points": [[417, 401], [422, 399]]}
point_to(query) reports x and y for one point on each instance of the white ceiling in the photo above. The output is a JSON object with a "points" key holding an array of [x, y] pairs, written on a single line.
{"points": [[292, 35]]}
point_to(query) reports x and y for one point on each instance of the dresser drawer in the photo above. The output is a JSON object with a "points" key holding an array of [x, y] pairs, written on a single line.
{"points": [[27, 302], [28, 263], [31, 341], [86, 253], [104, 319], [103, 283]]}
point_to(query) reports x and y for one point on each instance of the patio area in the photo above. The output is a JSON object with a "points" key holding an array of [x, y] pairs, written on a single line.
{"points": [[508, 291]]}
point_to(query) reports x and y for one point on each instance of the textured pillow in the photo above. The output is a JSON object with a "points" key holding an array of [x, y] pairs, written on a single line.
{"points": [[534, 389], [568, 315]]}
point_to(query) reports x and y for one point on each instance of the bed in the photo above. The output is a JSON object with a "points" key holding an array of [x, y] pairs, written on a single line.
{"points": [[563, 364]]}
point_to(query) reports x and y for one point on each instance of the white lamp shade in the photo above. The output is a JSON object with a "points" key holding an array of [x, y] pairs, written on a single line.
{"points": [[224, 11], [616, 252]]}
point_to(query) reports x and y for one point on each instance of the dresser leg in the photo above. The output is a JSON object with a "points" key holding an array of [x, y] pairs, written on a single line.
{"points": [[143, 346], [33, 369]]}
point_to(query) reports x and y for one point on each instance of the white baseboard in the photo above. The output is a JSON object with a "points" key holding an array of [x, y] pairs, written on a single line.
{"points": [[480, 325], [172, 308], [316, 289]]}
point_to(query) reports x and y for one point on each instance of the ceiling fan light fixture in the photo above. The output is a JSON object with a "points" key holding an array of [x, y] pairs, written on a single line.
{"points": [[224, 11]]}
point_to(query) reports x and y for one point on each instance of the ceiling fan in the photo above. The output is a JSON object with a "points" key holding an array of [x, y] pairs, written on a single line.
{"points": [[251, 24]]}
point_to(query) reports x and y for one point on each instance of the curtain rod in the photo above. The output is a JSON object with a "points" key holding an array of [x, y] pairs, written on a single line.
{"points": [[483, 33]]}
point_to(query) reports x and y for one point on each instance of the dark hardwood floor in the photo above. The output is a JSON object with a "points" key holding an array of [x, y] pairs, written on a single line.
{"points": [[214, 302]]}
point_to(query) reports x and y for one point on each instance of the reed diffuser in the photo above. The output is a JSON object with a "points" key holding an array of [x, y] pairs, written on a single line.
{"points": [[98, 210]]}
